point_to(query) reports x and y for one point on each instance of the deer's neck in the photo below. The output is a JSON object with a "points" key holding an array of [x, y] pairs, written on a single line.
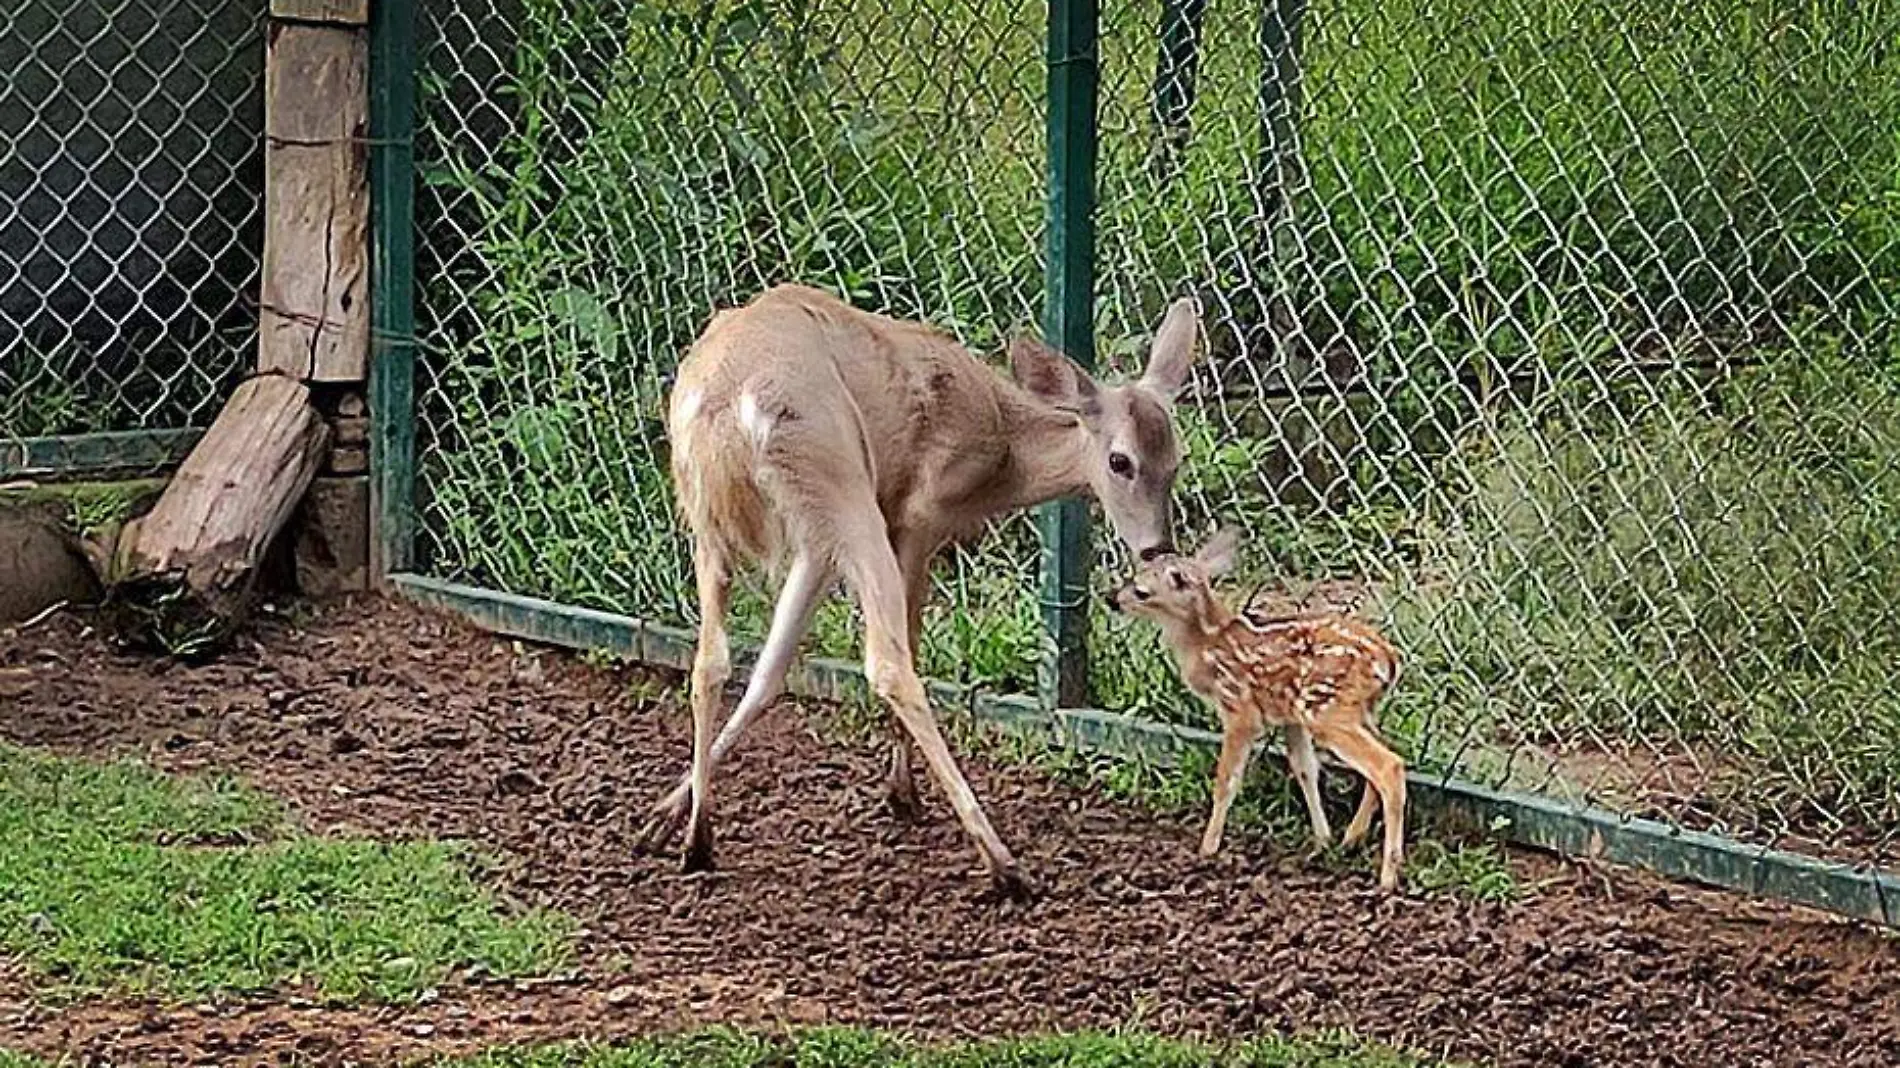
{"points": [[1048, 450]]}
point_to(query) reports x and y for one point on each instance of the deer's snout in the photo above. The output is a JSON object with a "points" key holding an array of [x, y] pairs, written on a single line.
{"points": [[1114, 599]]}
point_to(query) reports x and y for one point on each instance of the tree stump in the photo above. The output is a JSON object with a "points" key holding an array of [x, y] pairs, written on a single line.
{"points": [[185, 574]]}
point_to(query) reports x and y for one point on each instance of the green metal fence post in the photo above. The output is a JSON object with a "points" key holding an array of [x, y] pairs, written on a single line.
{"points": [[1068, 323], [392, 168]]}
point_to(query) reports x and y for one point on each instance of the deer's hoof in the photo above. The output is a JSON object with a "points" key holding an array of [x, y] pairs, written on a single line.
{"points": [[699, 850], [1010, 884], [903, 805], [659, 831]]}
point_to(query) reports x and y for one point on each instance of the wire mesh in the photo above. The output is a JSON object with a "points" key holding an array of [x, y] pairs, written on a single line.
{"points": [[131, 187], [598, 177], [1554, 336]]}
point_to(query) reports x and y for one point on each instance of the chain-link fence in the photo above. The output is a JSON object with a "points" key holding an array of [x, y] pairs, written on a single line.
{"points": [[131, 185], [1554, 336]]}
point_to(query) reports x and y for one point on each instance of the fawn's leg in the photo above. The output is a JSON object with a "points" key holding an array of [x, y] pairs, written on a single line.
{"points": [[1369, 796], [1236, 745], [1362, 819], [1383, 770], [805, 584], [1305, 766]]}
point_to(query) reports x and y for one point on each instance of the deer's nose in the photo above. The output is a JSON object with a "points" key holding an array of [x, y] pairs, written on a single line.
{"points": [[1152, 551], [1114, 599]]}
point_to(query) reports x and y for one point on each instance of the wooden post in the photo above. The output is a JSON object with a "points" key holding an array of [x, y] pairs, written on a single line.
{"points": [[185, 576], [315, 303]]}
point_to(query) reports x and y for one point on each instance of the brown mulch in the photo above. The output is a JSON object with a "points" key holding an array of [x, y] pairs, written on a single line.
{"points": [[379, 718]]}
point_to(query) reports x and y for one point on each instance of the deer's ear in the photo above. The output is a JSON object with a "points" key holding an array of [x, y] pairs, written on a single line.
{"points": [[1220, 553], [1172, 356], [1050, 375]]}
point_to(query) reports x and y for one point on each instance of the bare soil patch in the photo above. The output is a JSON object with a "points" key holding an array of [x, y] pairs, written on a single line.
{"points": [[378, 718]]}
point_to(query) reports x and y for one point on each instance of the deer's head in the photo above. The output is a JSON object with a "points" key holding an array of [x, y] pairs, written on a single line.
{"points": [[1132, 449], [1178, 589]]}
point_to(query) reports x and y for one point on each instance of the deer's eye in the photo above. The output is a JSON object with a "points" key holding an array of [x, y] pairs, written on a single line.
{"points": [[1140, 594], [1121, 465]]}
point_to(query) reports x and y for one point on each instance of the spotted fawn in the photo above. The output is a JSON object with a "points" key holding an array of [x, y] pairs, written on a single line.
{"points": [[1319, 676]]}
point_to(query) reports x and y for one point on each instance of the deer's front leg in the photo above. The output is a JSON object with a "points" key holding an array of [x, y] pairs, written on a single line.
{"points": [[1236, 745]]}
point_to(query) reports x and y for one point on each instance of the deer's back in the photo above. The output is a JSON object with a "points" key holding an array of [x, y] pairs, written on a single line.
{"points": [[801, 380]]}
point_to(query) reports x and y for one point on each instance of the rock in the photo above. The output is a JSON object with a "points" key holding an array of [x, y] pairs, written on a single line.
{"points": [[40, 566]]}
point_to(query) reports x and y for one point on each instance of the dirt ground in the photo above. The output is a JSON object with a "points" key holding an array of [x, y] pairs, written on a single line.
{"points": [[379, 718]]}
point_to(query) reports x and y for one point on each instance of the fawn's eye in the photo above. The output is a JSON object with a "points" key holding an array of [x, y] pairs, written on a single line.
{"points": [[1121, 465], [1140, 594]]}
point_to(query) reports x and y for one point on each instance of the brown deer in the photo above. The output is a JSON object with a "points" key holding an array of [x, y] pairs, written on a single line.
{"points": [[1319, 676], [824, 441]]}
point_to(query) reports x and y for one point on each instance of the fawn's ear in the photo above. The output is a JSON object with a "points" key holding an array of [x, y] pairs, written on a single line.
{"points": [[1219, 555]]}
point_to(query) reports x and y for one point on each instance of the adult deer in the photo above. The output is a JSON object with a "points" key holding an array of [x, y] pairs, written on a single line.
{"points": [[821, 441]]}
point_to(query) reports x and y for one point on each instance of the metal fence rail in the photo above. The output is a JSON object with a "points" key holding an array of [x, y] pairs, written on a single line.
{"points": [[131, 186], [1556, 337]]}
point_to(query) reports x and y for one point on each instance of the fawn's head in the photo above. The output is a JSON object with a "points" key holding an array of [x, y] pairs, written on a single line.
{"points": [[1132, 449], [1178, 589]]}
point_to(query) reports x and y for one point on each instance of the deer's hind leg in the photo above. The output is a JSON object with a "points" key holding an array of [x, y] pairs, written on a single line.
{"points": [[870, 565], [804, 587], [712, 667], [913, 559]]}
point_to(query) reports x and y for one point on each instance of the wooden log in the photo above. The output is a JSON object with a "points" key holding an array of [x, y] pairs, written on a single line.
{"points": [[346, 12], [315, 305], [186, 572]]}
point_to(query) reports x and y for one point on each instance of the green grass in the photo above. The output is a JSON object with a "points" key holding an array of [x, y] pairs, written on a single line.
{"points": [[851, 1048], [113, 876]]}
